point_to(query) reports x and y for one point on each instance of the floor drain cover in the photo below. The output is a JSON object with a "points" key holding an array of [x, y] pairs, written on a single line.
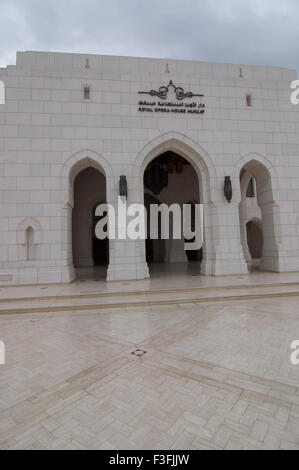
{"points": [[139, 353]]}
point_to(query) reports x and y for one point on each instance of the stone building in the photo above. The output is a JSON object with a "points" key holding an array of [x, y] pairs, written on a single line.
{"points": [[72, 124]]}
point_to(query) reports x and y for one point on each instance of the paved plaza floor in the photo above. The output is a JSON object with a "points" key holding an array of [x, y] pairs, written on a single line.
{"points": [[215, 375]]}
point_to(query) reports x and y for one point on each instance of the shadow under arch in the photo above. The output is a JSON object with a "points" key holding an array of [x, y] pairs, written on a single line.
{"points": [[255, 239], [257, 221]]}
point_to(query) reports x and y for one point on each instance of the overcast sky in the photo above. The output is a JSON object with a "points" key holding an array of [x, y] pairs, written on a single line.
{"points": [[262, 32]]}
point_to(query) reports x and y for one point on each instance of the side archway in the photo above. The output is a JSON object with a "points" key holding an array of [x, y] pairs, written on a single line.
{"points": [[85, 164], [264, 176], [256, 163], [78, 162]]}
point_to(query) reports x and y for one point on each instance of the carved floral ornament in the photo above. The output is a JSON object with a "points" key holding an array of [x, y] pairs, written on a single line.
{"points": [[178, 106], [164, 90]]}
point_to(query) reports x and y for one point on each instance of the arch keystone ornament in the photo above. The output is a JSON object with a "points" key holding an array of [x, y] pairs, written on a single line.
{"points": [[174, 107]]}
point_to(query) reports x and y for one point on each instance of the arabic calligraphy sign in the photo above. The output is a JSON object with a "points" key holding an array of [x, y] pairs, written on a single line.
{"points": [[177, 107]]}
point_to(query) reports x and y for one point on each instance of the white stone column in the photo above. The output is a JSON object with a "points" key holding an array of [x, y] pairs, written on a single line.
{"points": [[127, 257], [286, 239], [273, 256], [67, 267], [243, 232], [223, 253]]}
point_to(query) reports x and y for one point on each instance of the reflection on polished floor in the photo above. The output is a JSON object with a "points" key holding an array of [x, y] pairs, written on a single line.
{"points": [[157, 270], [96, 273], [174, 270], [216, 375]]}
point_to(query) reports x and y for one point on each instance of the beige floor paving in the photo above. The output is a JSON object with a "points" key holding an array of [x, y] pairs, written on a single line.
{"points": [[163, 276], [215, 376]]}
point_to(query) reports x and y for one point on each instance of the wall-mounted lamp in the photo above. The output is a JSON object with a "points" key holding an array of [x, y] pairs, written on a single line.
{"points": [[123, 186], [228, 189]]}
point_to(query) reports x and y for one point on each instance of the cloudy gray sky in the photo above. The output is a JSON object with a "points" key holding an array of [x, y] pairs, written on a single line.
{"points": [[262, 32]]}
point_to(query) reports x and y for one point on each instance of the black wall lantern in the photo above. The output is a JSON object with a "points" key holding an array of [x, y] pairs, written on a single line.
{"points": [[228, 189], [123, 186]]}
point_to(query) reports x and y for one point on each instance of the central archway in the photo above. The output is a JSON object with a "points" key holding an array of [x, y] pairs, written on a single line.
{"points": [[173, 180], [202, 167]]}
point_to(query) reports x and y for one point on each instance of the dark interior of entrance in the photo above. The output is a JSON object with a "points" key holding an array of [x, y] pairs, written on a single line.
{"points": [[100, 248], [89, 192], [255, 239], [170, 179]]}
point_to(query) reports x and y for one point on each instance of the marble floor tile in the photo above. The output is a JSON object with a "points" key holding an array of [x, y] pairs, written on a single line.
{"points": [[214, 376]]}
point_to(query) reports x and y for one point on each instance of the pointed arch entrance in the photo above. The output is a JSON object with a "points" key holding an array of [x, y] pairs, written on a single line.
{"points": [[84, 184], [200, 166], [173, 180], [258, 215]]}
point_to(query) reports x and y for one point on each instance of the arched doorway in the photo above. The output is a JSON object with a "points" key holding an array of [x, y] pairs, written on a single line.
{"points": [[257, 217], [170, 179], [90, 255]]}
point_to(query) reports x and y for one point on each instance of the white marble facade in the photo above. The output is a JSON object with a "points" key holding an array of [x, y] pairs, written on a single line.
{"points": [[50, 131]]}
